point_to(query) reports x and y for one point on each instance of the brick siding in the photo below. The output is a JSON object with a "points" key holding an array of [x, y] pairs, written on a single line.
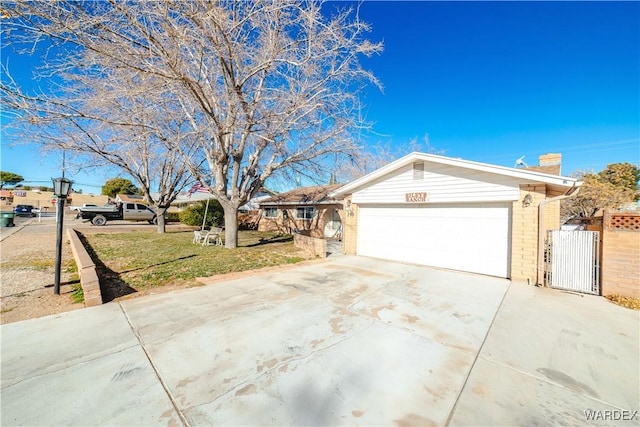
{"points": [[316, 247], [621, 254], [350, 227], [524, 232], [287, 225]]}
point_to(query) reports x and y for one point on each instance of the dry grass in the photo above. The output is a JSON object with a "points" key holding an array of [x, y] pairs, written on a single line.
{"points": [[36, 260], [628, 302], [137, 261]]}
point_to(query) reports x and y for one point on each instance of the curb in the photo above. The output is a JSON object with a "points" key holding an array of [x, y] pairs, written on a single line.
{"points": [[241, 274], [9, 231], [86, 269]]}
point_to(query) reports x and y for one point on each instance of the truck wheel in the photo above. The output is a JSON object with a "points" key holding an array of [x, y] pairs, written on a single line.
{"points": [[155, 221], [99, 220]]}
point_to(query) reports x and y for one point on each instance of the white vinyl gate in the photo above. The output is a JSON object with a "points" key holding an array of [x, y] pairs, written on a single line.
{"points": [[572, 261]]}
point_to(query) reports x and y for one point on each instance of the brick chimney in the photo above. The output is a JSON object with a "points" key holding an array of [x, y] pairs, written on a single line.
{"points": [[551, 159]]}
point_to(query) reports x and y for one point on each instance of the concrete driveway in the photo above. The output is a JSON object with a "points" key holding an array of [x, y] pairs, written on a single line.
{"points": [[350, 341]]}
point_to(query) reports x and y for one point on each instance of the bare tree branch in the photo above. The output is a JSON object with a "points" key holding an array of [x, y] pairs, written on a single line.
{"points": [[234, 91]]}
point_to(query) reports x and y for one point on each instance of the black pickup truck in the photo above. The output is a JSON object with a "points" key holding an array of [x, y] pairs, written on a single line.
{"points": [[127, 211]]}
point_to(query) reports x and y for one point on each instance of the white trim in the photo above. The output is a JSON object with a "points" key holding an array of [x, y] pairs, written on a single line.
{"points": [[298, 203], [522, 174]]}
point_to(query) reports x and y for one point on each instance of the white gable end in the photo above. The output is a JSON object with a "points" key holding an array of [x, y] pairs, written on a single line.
{"points": [[441, 183]]}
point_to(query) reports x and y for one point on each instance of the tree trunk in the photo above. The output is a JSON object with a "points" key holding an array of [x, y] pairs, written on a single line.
{"points": [[230, 226], [160, 212]]}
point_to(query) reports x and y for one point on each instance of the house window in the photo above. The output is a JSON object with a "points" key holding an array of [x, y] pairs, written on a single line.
{"points": [[418, 171], [307, 212], [271, 212]]}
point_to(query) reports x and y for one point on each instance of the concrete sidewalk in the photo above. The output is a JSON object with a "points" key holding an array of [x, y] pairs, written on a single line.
{"points": [[351, 341], [555, 358]]}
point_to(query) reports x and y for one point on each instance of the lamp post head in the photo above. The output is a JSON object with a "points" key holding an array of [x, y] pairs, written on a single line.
{"points": [[61, 186]]}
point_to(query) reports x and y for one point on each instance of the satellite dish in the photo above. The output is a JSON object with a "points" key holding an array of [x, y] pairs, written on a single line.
{"points": [[520, 163]]}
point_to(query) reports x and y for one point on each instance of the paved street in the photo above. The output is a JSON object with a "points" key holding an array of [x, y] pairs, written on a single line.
{"points": [[350, 341]]}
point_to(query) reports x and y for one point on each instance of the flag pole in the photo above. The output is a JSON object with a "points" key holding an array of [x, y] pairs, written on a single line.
{"points": [[205, 213]]}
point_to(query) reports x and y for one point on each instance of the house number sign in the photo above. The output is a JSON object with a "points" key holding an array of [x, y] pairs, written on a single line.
{"points": [[415, 197]]}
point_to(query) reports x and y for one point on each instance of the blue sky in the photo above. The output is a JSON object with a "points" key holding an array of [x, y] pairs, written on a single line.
{"points": [[487, 81], [495, 81]]}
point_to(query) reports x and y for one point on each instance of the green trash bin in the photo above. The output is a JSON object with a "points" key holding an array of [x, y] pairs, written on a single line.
{"points": [[6, 219]]}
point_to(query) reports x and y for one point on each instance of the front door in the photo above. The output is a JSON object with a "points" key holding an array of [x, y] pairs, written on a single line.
{"points": [[333, 226]]}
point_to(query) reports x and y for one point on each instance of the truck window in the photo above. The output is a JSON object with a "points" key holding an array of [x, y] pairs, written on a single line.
{"points": [[141, 207], [131, 205]]}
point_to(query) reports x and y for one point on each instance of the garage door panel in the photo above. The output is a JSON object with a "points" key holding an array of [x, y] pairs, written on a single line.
{"points": [[463, 237]]}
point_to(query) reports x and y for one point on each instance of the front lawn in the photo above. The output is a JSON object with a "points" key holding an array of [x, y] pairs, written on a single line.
{"points": [[137, 261]]}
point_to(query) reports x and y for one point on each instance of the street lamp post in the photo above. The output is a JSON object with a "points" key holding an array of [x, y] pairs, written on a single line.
{"points": [[61, 188]]}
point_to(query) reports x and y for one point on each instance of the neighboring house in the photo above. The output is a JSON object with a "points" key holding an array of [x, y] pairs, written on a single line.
{"points": [[306, 210], [456, 214], [184, 200], [129, 198], [253, 205], [46, 200], [582, 223], [6, 197]]}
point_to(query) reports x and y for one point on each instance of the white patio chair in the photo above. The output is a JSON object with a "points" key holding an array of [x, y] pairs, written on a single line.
{"points": [[212, 237], [198, 236]]}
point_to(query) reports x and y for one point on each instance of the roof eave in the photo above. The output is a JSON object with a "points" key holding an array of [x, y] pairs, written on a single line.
{"points": [[327, 202], [565, 182]]}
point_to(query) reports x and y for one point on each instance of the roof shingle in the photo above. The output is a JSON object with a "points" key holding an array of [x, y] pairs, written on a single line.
{"points": [[304, 196]]}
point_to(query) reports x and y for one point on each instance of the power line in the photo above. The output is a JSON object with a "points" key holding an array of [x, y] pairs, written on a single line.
{"points": [[48, 182], [613, 145]]}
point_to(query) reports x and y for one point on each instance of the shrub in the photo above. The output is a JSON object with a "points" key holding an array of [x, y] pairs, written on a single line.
{"points": [[194, 214], [173, 217]]}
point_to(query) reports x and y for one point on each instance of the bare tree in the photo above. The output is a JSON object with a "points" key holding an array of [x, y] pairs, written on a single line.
{"points": [[265, 86], [118, 119], [382, 153]]}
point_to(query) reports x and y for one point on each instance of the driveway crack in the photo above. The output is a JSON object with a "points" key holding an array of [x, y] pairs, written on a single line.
{"points": [[164, 385], [68, 365], [475, 359], [553, 383]]}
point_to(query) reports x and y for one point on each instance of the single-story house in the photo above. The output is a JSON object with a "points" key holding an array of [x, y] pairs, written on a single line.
{"points": [[130, 198], [582, 223], [184, 200], [253, 205], [456, 214], [46, 200], [305, 210]]}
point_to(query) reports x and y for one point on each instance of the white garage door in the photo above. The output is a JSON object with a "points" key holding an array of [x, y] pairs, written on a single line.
{"points": [[465, 237]]}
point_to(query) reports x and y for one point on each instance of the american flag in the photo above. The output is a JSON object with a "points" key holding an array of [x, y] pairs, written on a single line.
{"points": [[197, 188]]}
